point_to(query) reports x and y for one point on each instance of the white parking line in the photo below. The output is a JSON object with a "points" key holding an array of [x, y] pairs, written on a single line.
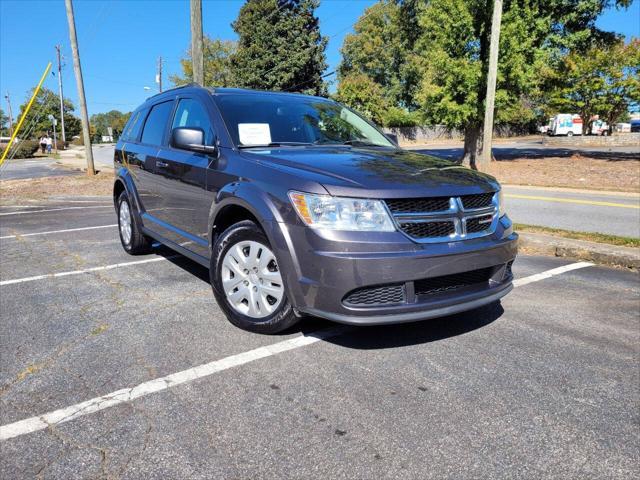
{"points": [[41, 422], [55, 209], [87, 270], [519, 282], [58, 231]]}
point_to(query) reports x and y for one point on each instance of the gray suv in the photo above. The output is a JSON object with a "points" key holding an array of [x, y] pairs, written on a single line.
{"points": [[298, 205]]}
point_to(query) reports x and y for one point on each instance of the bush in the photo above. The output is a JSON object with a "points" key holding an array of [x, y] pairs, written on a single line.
{"points": [[21, 149]]}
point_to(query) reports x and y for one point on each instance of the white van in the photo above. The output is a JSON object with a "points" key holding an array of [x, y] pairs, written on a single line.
{"points": [[565, 124]]}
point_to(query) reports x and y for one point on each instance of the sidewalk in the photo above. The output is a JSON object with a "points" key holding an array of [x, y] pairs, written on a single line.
{"points": [[75, 157]]}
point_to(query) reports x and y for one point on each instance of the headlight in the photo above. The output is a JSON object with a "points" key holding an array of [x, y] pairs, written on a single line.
{"points": [[501, 209], [337, 213]]}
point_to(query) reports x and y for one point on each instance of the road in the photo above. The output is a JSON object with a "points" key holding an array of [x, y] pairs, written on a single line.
{"points": [[152, 382], [583, 211], [33, 168]]}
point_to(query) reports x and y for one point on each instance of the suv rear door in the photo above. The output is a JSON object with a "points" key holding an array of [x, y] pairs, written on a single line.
{"points": [[181, 180], [153, 134]]}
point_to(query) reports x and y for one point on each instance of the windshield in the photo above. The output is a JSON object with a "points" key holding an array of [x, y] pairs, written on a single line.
{"points": [[254, 120]]}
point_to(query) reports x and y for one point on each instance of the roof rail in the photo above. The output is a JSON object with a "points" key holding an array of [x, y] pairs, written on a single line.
{"points": [[186, 85]]}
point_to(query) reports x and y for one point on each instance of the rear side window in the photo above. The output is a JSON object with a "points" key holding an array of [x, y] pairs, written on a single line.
{"points": [[156, 123], [132, 128], [192, 114]]}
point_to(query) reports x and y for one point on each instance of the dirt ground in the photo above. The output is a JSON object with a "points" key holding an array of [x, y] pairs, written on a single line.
{"points": [[576, 171], [40, 188]]}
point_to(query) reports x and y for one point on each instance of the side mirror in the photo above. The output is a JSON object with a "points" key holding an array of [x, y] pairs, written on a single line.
{"points": [[393, 137], [192, 139]]}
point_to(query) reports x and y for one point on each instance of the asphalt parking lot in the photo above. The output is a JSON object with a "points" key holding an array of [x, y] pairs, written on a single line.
{"points": [[115, 366]]}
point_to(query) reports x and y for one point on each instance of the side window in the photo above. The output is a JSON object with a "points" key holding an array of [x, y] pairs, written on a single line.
{"points": [[133, 126], [156, 123], [190, 113]]}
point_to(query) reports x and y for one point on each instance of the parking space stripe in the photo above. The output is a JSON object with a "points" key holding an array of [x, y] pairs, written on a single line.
{"points": [[519, 282], [56, 417], [58, 231], [55, 209], [87, 270]]}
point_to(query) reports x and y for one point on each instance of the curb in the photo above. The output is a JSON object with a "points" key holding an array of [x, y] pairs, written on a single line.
{"points": [[600, 253]]}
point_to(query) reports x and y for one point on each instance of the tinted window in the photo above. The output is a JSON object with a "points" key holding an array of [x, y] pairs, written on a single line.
{"points": [[263, 119], [191, 113], [156, 123], [132, 129]]}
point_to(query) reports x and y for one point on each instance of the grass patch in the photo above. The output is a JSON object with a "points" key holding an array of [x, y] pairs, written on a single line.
{"points": [[590, 237]]}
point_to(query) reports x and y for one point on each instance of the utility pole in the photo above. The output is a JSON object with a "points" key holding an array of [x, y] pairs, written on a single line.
{"points": [[491, 83], [63, 138], [159, 79], [197, 59], [86, 134], [10, 113]]}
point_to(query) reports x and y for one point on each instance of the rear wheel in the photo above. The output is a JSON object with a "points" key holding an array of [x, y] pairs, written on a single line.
{"points": [[247, 282], [133, 240]]}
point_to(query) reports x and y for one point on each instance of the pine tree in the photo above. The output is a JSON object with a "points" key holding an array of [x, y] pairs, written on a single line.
{"points": [[280, 47]]}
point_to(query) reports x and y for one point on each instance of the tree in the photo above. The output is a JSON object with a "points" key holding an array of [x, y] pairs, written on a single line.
{"points": [[444, 56], [4, 123], [114, 119], [47, 103], [280, 46], [361, 93], [381, 48], [600, 81], [535, 35], [218, 71]]}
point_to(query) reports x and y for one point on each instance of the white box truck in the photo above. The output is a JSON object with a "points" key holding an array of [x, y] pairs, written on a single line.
{"points": [[565, 124]]}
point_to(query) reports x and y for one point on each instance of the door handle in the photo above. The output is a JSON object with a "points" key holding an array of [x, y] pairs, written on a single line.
{"points": [[161, 164]]}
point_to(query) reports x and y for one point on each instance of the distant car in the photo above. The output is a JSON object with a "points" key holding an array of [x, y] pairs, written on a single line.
{"points": [[635, 126]]}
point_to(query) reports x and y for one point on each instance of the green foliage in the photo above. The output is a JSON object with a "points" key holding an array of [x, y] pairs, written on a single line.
{"points": [[432, 56], [364, 95], [21, 149], [600, 81], [4, 123], [218, 71], [280, 46], [114, 119], [381, 49], [47, 103]]}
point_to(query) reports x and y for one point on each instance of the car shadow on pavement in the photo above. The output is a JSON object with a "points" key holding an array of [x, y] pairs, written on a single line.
{"points": [[415, 333]]}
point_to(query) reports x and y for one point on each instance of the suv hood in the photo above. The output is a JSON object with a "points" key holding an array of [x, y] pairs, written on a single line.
{"points": [[375, 172]]}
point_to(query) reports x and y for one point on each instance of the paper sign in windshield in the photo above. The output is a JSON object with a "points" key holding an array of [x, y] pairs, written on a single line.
{"points": [[254, 133]]}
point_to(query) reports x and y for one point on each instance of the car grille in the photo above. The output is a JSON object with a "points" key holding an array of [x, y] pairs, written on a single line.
{"points": [[428, 229], [429, 286], [443, 219], [371, 296], [482, 200], [417, 205], [478, 224]]}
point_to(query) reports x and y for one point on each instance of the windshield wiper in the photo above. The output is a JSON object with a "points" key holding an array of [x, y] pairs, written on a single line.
{"points": [[276, 144], [361, 143]]}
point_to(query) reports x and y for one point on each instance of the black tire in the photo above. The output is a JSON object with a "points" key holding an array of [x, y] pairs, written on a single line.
{"points": [[282, 318], [139, 243]]}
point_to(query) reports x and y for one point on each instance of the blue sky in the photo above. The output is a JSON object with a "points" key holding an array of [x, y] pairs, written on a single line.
{"points": [[120, 42]]}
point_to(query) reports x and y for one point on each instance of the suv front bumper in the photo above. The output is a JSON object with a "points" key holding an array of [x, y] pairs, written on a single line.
{"points": [[322, 269]]}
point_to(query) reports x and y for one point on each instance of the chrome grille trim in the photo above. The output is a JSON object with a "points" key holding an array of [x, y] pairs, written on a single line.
{"points": [[456, 214]]}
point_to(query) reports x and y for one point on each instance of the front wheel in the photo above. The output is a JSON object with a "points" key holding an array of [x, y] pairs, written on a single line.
{"points": [[133, 240], [247, 282]]}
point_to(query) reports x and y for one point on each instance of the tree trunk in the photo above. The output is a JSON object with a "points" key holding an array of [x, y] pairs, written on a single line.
{"points": [[472, 155]]}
